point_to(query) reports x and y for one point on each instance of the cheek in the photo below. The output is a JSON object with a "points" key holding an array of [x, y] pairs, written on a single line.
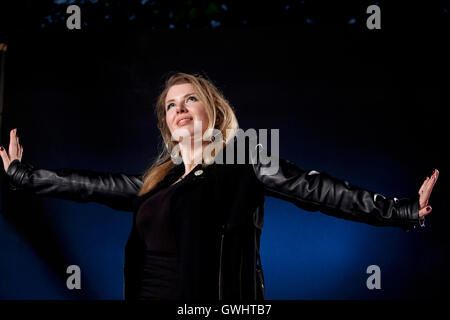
{"points": [[169, 120]]}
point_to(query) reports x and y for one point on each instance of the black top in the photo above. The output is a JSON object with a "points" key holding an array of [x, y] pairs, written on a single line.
{"points": [[159, 277], [154, 223]]}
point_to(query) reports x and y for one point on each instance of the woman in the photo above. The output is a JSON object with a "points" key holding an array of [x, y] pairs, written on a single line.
{"points": [[197, 223]]}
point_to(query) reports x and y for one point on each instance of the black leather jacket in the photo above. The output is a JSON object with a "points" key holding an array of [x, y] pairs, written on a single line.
{"points": [[221, 209]]}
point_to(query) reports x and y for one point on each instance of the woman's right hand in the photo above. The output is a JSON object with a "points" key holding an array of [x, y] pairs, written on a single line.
{"points": [[15, 150]]}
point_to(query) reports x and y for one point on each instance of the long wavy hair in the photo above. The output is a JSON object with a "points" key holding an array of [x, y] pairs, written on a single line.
{"points": [[220, 114]]}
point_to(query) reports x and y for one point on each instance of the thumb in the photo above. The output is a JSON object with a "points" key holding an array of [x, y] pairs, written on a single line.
{"points": [[424, 211], [5, 158]]}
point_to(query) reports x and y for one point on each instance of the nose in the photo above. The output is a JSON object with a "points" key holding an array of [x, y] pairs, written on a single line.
{"points": [[181, 108]]}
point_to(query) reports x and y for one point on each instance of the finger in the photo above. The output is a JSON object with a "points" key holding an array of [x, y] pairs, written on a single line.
{"points": [[424, 211], [433, 179], [423, 185], [13, 143], [429, 187], [5, 158], [17, 144], [423, 199]]}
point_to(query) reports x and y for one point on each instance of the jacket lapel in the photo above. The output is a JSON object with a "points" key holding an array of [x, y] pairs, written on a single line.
{"points": [[170, 178], [173, 175]]}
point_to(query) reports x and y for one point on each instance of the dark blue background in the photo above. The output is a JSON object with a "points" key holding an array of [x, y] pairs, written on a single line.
{"points": [[364, 107]]}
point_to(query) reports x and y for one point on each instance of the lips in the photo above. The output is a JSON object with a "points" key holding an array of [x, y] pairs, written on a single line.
{"points": [[184, 118]]}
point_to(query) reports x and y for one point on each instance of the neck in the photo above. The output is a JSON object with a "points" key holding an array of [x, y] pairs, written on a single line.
{"points": [[192, 154]]}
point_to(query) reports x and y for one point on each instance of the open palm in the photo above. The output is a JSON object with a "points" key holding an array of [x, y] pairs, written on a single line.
{"points": [[15, 150], [425, 192]]}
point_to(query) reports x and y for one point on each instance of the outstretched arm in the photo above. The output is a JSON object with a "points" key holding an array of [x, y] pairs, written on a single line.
{"points": [[314, 191], [116, 190]]}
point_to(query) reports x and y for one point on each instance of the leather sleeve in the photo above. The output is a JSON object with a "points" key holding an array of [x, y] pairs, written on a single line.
{"points": [[314, 191], [115, 190]]}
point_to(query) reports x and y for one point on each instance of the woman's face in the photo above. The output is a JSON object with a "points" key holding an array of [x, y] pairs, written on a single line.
{"points": [[183, 107]]}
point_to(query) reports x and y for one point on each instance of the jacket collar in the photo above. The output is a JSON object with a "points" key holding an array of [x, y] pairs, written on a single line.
{"points": [[173, 175], [177, 171]]}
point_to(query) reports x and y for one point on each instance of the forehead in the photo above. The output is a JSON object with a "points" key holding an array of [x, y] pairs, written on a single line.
{"points": [[179, 90]]}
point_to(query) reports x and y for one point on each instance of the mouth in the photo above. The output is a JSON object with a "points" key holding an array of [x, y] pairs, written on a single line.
{"points": [[183, 121]]}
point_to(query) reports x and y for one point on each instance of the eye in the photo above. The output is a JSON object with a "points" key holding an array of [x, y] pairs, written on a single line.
{"points": [[194, 98], [169, 105]]}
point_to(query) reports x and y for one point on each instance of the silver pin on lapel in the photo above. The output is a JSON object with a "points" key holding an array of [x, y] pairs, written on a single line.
{"points": [[198, 172]]}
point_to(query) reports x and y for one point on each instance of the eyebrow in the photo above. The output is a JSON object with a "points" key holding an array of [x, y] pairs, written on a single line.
{"points": [[188, 94]]}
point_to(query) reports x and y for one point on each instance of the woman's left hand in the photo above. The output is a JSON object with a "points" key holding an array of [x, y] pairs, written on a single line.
{"points": [[425, 192]]}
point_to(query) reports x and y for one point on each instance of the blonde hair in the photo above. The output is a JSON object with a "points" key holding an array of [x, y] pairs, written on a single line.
{"points": [[220, 114]]}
